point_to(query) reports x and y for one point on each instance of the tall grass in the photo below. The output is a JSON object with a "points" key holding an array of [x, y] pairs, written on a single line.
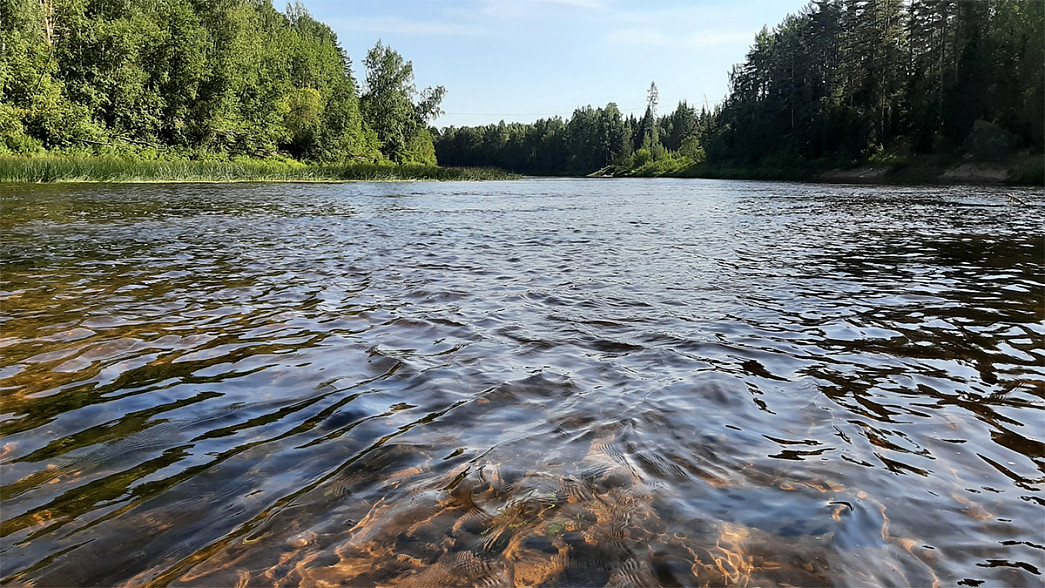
{"points": [[105, 169]]}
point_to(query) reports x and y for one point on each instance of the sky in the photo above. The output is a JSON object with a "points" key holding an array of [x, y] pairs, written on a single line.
{"points": [[521, 60]]}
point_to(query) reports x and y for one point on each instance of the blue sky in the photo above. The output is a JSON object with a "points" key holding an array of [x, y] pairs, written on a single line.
{"points": [[520, 60]]}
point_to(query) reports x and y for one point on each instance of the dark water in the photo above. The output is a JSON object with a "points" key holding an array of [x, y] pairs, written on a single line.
{"points": [[558, 382]]}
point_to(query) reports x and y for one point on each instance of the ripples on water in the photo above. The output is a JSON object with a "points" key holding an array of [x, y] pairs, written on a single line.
{"points": [[559, 382]]}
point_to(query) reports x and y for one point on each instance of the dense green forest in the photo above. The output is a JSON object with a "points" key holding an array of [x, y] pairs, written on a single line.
{"points": [[592, 139], [201, 79], [842, 81]]}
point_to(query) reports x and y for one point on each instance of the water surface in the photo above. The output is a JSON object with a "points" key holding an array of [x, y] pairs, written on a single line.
{"points": [[547, 382]]}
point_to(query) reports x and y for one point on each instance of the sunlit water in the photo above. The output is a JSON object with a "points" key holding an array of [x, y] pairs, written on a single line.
{"points": [[550, 382]]}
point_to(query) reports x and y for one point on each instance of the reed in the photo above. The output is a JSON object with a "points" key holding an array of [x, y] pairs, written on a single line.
{"points": [[104, 169]]}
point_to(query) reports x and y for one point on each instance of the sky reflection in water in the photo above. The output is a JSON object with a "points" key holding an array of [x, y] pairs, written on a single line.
{"points": [[556, 382]]}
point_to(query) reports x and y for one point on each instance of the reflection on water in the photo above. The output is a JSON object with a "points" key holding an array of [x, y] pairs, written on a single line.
{"points": [[553, 382]]}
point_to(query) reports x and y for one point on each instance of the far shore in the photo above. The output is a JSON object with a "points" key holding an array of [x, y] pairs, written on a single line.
{"points": [[102, 169], [1028, 170], [964, 173], [63, 169]]}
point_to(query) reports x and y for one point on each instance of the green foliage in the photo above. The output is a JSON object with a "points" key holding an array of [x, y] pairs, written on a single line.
{"points": [[419, 149], [209, 80], [847, 77], [115, 169], [595, 137], [21, 144], [898, 155], [643, 164], [56, 121], [302, 111], [692, 149], [11, 129], [392, 107], [894, 83], [888, 81], [642, 158], [989, 141], [25, 56], [658, 151], [1030, 171], [592, 139], [680, 126]]}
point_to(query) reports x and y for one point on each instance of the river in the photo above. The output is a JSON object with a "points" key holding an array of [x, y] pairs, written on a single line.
{"points": [[541, 382]]}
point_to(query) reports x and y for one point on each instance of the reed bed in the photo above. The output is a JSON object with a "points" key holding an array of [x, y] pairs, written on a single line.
{"points": [[48, 169]]}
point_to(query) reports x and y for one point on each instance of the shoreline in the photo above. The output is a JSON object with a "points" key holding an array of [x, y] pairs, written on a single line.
{"points": [[55, 169], [258, 181], [964, 174], [1028, 171]]}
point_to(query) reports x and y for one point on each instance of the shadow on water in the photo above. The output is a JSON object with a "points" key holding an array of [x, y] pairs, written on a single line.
{"points": [[549, 382]]}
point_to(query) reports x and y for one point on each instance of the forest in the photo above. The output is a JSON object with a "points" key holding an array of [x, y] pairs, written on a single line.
{"points": [[841, 82], [201, 79]]}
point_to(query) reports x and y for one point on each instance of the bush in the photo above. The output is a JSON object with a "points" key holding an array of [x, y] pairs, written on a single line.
{"points": [[12, 134], [419, 150], [1029, 171], [989, 141], [692, 149], [641, 158], [59, 122], [898, 155], [22, 144], [670, 164]]}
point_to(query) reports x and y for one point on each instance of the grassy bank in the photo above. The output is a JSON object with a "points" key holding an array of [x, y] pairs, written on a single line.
{"points": [[1020, 170], [106, 169]]}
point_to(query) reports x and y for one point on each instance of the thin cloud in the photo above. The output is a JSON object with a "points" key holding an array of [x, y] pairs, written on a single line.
{"points": [[698, 40], [585, 4], [405, 26], [519, 9]]}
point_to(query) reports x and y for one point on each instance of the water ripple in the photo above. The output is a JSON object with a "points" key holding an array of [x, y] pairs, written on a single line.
{"points": [[548, 382]]}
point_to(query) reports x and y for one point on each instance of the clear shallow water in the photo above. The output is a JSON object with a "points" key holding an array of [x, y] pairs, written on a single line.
{"points": [[558, 382]]}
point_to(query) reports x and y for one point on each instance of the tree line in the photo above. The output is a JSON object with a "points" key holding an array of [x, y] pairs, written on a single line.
{"points": [[201, 78], [841, 80], [590, 140]]}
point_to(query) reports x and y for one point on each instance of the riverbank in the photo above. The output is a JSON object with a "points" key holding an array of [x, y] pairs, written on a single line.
{"points": [[1029, 170], [64, 169], [1026, 170]]}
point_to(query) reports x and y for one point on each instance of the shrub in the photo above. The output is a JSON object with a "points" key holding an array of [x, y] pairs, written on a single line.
{"points": [[641, 158], [692, 149], [989, 141]]}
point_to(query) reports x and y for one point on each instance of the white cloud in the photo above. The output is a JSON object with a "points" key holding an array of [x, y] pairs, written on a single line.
{"points": [[585, 4], [405, 26], [507, 9], [532, 9], [697, 40]]}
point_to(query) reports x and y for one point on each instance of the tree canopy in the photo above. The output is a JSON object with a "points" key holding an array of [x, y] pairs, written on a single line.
{"points": [[839, 80], [213, 78], [842, 80], [391, 105], [858, 77]]}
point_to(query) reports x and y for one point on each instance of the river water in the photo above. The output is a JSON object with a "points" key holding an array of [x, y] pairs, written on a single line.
{"points": [[542, 382]]}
